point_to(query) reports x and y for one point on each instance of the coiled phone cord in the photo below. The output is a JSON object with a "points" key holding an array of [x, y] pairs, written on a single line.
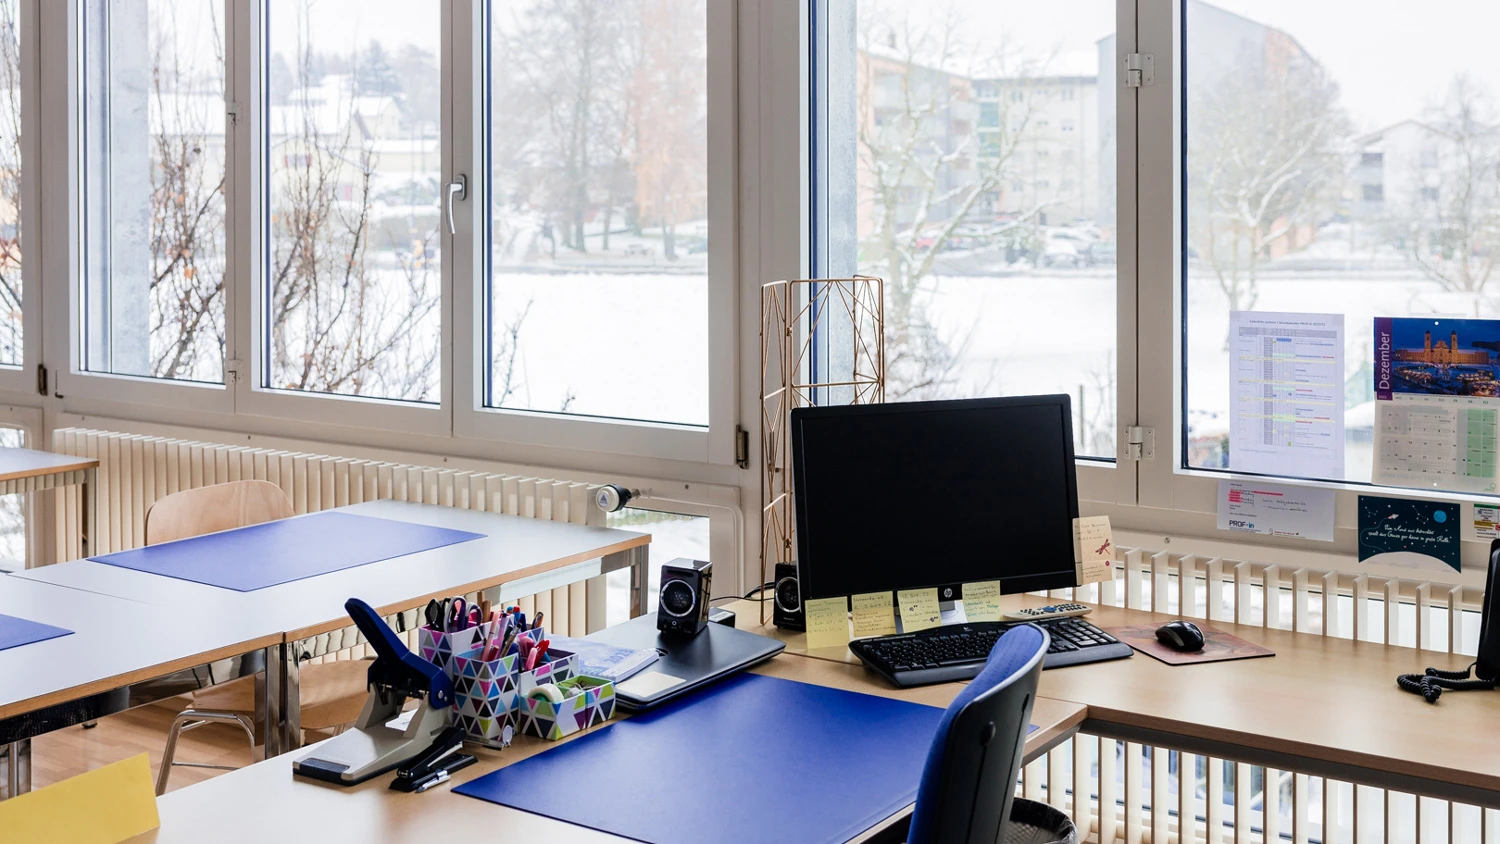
{"points": [[1431, 684]]}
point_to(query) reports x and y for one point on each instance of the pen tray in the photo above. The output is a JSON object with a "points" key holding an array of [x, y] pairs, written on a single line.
{"points": [[484, 694], [544, 719], [438, 647], [562, 667]]}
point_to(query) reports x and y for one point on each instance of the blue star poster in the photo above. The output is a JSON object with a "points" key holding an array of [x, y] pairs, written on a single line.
{"points": [[1408, 533]]}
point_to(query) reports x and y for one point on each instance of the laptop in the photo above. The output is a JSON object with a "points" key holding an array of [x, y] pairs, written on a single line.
{"points": [[687, 662]]}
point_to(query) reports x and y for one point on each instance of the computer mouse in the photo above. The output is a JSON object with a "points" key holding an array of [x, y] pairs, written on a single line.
{"points": [[1180, 636]]}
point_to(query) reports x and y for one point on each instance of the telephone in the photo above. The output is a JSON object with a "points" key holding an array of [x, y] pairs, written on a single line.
{"points": [[1486, 667]]}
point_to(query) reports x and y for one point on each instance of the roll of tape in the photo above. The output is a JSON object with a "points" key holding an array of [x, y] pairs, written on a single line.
{"points": [[549, 692]]}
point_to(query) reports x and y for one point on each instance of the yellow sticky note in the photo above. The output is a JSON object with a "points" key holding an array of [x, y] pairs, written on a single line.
{"points": [[919, 609], [873, 615], [982, 601], [827, 622], [103, 806], [1093, 549]]}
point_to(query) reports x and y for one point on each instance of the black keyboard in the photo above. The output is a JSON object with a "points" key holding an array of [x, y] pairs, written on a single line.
{"points": [[958, 651]]}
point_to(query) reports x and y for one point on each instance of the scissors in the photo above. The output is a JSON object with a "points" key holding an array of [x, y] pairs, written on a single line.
{"points": [[436, 613], [459, 615]]}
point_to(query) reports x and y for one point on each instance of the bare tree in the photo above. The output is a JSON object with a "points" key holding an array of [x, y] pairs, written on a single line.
{"points": [[187, 208], [1264, 158], [1450, 227], [669, 97], [926, 180], [10, 183]]}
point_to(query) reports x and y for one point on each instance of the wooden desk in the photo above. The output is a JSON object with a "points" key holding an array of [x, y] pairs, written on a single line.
{"points": [[1323, 706], [28, 470], [515, 554], [372, 813], [68, 680]]}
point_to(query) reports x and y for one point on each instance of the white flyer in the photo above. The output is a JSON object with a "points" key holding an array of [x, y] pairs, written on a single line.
{"points": [[1287, 385], [1276, 510], [1486, 522]]}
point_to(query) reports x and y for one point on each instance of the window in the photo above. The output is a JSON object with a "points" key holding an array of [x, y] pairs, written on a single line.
{"points": [[1402, 238], [1066, 125], [10, 184], [354, 135], [977, 275], [152, 126], [598, 220], [673, 536]]}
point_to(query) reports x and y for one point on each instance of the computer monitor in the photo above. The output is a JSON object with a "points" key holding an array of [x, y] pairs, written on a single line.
{"points": [[934, 494]]}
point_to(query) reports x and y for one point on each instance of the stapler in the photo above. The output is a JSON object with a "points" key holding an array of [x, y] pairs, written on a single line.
{"points": [[371, 748]]}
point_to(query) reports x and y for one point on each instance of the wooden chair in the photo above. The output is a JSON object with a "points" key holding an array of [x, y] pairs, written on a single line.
{"points": [[332, 693]]}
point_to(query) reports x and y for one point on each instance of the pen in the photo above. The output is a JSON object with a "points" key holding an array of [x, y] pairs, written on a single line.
{"points": [[537, 624], [436, 779]]}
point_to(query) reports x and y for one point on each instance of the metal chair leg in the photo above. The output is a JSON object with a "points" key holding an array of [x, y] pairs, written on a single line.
{"points": [[191, 719]]}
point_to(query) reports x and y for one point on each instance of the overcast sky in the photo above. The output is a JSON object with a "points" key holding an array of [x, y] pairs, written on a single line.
{"points": [[1391, 58]]}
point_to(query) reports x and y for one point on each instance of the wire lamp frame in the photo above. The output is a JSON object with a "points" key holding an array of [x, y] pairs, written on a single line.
{"points": [[804, 324]]}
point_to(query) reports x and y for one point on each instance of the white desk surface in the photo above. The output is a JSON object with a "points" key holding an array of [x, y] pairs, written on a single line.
{"points": [[513, 547], [264, 802], [114, 643], [20, 463]]}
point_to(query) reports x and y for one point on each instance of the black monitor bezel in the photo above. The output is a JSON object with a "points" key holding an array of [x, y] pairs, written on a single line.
{"points": [[1025, 583]]}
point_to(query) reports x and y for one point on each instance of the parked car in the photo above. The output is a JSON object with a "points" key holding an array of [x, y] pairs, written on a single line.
{"points": [[1101, 254], [1061, 252]]}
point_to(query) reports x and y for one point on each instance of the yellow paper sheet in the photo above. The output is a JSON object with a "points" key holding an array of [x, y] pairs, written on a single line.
{"points": [[982, 601], [828, 622], [919, 609], [103, 806], [873, 615], [1093, 549]]}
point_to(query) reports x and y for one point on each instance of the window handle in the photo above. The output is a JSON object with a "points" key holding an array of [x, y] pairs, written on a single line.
{"points": [[460, 186]]}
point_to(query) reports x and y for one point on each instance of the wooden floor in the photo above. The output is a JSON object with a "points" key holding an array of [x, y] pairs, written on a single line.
{"points": [[73, 750]]}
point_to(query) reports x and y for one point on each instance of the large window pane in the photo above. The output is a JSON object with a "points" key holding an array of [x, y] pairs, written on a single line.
{"points": [[673, 535], [10, 183], [1322, 180], [970, 163], [153, 139], [353, 89], [598, 168]]}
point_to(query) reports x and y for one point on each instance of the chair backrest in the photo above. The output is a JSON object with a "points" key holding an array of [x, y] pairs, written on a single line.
{"points": [[970, 776], [209, 509]]}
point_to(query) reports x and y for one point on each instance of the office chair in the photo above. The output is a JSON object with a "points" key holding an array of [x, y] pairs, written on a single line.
{"points": [[332, 692], [970, 777]]}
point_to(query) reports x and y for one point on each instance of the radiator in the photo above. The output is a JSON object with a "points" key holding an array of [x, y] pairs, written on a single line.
{"points": [[1140, 794], [135, 470]]}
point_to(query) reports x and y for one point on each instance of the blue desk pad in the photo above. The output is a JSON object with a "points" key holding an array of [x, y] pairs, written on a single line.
{"points": [[272, 553], [15, 632], [732, 763]]}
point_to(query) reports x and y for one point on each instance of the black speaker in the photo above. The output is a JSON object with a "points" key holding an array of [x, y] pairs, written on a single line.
{"points": [[682, 603], [787, 598]]}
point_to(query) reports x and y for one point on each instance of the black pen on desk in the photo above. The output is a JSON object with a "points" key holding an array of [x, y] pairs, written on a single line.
{"points": [[436, 779]]}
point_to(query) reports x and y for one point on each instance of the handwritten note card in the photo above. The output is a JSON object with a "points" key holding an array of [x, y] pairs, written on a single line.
{"points": [[873, 615], [982, 600], [919, 609], [827, 622], [1093, 549]]}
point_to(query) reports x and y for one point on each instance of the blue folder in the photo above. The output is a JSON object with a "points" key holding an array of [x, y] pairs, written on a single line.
{"points": [[750, 759], [272, 553], [15, 632]]}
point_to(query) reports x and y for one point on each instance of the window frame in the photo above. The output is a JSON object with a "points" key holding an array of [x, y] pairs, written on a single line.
{"points": [[1103, 482], [1177, 500], [711, 444], [23, 376]]}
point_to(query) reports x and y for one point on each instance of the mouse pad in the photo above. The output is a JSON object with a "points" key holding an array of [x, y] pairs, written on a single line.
{"points": [[1218, 646]]}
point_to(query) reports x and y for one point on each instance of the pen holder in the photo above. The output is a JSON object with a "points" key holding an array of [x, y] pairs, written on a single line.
{"points": [[562, 667], [484, 694], [594, 704], [438, 647]]}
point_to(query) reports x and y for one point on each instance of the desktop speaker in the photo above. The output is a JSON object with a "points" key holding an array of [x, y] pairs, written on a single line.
{"points": [[682, 603], [786, 596]]}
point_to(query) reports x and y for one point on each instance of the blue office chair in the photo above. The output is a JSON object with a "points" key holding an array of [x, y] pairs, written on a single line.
{"points": [[970, 776]]}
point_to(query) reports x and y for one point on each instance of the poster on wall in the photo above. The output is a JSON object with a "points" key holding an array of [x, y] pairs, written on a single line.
{"points": [[1287, 386], [1409, 533], [1437, 403]]}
